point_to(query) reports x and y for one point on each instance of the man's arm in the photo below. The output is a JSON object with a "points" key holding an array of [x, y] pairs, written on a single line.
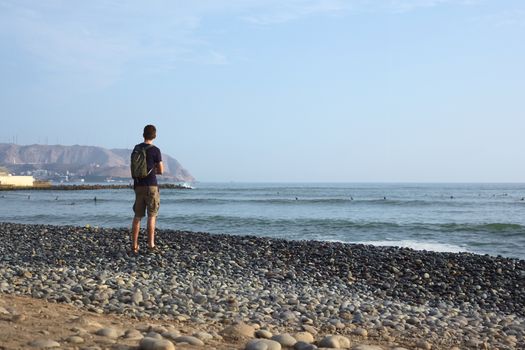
{"points": [[159, 168]]}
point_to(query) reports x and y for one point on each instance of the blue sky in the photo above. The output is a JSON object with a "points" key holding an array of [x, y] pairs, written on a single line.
{"points": [[303, 90]]}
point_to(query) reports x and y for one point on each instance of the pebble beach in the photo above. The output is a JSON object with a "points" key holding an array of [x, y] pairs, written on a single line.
{"points": [[275, 293]]}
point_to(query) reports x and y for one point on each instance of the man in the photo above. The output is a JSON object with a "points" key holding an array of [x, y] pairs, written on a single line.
{"points": [[147, 195]]}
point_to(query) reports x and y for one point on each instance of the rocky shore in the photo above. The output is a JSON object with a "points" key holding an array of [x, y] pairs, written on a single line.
{"points": [[386, 296]]}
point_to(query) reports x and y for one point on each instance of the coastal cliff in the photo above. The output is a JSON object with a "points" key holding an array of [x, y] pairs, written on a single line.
{"points": [[83, 161]]}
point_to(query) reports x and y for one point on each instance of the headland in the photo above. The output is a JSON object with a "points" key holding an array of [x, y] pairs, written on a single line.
{"points": [[86, 187]]}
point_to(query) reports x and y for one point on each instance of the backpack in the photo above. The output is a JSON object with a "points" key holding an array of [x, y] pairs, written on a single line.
{"points": [[138, 164]]}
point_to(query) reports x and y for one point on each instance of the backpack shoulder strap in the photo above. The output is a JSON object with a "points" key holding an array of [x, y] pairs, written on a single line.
{"points": [[145, 148]]}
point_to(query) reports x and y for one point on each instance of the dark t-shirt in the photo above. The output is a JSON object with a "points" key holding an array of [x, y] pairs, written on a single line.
{"points": [[153, 157]]}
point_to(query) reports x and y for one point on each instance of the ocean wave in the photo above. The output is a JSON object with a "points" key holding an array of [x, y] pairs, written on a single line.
{"points": [[419, 245], [496, 227], [300, 201], [333, 201], [345, 224]]}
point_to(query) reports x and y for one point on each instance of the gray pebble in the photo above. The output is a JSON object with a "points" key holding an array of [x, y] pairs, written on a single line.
{"points": [[44, 344], [108, 332], [133, 334], [423, 345], [366, 347], [361, 332], [301, 345], [189, 339], [204, 336], [285, 339], [305, 337], [156, 344], [171, 335], [159, 329], [257, 346], [153, 335], [288, 316], [137, 297], [270, 344], [310, 329], [240, 330], [330, 341], [263, 333], [75, 339]]}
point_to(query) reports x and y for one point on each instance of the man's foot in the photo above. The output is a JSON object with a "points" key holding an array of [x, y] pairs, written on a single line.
{"points": [[135, 250], [153, 249]]}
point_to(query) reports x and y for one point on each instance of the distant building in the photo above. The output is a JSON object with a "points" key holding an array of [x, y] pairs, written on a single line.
{"points": [[16, 181]]}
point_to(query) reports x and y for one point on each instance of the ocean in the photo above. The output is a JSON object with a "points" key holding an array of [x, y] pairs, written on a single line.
{"points": [[476, 218]]}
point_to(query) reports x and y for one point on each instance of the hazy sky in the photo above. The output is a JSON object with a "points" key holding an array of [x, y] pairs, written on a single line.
{"points": [[276, 90]]}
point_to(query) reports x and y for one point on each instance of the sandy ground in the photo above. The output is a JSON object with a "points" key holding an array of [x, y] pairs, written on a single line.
{"points": [[24, 319], [31, 319]]}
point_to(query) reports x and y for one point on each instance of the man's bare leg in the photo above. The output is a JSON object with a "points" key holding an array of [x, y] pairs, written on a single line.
{"points": [[151, 231], [135, 228]]}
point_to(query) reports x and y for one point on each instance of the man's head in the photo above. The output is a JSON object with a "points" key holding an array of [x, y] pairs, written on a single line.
{"points": [[150, 132]]}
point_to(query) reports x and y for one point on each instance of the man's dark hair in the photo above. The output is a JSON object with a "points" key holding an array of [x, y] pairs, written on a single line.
{"points": [[150, 132]]}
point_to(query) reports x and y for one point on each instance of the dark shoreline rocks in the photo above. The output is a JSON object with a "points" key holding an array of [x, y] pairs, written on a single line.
{"points": [[447, 298]]}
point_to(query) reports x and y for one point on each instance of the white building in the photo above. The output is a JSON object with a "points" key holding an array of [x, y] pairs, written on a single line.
{"points": [[17, 181]]}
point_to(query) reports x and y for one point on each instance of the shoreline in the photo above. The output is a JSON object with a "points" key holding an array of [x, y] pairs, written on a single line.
{"points": [[384, 295]]}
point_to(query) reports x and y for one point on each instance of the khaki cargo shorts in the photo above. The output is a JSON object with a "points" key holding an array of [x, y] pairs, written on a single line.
{"points": [[146, 197]]}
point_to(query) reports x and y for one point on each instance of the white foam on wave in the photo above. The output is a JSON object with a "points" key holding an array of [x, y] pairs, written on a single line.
{"points": [[430, 246]]}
